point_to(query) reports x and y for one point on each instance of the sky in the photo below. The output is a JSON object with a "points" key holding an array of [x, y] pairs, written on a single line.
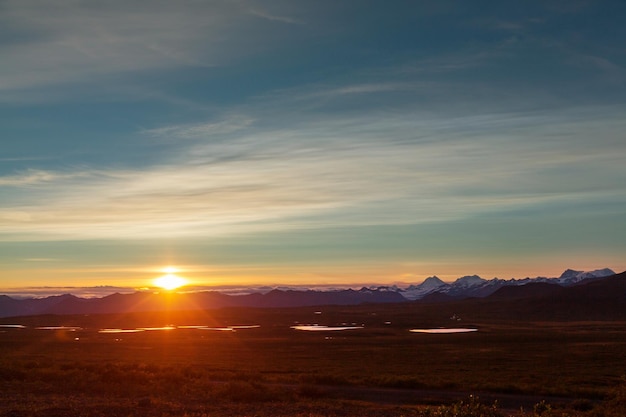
{"points": [[322, 142]]}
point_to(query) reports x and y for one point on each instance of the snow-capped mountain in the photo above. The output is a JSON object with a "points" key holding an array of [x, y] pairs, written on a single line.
{"points": [[468, 281], [430, 285], [475, 286], [467, 286], [571, 276]]}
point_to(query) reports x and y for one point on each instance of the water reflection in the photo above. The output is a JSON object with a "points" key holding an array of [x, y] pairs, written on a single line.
{"points": [[222, 329], [218, 329], [12, 326], [120, 330], [318, 328], [187, 327], [156, 329], [444, 331], [67, 328]]}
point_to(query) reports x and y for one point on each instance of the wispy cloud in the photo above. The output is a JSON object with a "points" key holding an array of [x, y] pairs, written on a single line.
{"points": [[269, 16], [85, 292], [605, 69], [201, 130], [42, 259], [24, 158], [73, 42], [38, 177], [311, 175]]}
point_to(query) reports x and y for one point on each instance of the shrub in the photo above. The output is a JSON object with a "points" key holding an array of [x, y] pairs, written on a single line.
{"points": [[615, 404], [470, 408]]}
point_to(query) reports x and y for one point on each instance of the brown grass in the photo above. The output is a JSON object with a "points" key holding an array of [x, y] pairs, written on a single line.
{"points": [[272, 368]]}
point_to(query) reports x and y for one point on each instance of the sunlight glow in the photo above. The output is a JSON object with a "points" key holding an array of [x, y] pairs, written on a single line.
{"points": [[170, 281]]}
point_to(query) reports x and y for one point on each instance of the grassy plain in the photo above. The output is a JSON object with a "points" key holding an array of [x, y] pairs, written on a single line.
{"points": [[381, 369]]}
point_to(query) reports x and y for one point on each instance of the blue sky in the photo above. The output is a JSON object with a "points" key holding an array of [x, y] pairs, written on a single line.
{"points": [[310, 142]]}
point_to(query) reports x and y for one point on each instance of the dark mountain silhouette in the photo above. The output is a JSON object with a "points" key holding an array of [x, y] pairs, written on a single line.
{"points": [[608, 288], [593, 299], [30, 306], [147, 301], [473, 286], [533, 289], [278, 298], [436, 297], [589, 299]]}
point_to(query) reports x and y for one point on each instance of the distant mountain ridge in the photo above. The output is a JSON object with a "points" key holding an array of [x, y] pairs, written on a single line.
{"points": [[596, 298], [204, 300], [475, 286], [432, 289]]}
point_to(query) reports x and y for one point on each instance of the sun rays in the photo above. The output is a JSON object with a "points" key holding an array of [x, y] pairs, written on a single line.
{"points": [[169, 281]]}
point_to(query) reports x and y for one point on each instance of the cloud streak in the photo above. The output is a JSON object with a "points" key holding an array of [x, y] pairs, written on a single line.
{"points": [[307, 176], [74, 42]]}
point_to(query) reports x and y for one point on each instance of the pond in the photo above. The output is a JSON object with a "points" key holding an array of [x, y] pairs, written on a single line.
{"points": [[120, 331], [444, 330], [67, 328], [318, 328], [171, 327]]}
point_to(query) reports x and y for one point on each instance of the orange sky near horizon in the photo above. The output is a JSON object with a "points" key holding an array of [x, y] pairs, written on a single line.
{"points": [[346, 275]]}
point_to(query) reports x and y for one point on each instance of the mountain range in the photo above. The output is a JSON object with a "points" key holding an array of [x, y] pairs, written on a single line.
{"points": [[475, 286], [432, 289]]}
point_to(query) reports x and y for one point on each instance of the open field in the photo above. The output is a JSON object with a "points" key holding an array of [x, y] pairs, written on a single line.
{"points": [[380, 369]]}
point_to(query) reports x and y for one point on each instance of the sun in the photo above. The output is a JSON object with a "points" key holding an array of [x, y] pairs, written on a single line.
{"points": [[170, 281]]}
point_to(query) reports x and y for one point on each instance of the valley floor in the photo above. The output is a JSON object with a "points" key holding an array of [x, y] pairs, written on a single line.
{"points": [[379, 369]]}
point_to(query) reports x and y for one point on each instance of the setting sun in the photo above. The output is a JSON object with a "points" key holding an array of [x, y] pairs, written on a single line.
{"points": [[170, 281]]}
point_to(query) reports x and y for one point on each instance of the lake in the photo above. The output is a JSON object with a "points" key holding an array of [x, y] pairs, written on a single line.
{"points": [[444, 331]]}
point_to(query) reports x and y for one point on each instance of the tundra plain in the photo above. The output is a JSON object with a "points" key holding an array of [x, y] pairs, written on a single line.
{"points": [[201, 363]]}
